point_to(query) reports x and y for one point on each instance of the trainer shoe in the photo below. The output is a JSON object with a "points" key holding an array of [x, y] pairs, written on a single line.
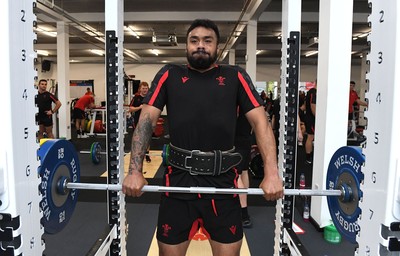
{"points": [[84, 136], [246, 221], [148, 159]]}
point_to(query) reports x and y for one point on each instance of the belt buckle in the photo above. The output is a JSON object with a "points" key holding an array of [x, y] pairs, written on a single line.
{"points": [[191, 156]]}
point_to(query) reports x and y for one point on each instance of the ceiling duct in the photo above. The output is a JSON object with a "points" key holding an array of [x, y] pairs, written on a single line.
{"points": [[313, 42], [164, 40]]}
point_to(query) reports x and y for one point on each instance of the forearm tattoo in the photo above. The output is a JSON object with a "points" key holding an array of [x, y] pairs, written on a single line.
{"points": [[140, 142]]}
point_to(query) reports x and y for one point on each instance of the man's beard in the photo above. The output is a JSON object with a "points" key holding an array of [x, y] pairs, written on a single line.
{"points": [[201, 62]]}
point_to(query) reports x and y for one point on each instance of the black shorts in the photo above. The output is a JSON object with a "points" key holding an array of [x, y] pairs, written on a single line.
{"points": [[79, 113], [179, 220], [45, 120], [351, 116], [310, 124]]}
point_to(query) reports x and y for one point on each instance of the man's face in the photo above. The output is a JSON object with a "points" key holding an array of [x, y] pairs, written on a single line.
{"points": [[43, 86], [144, 90], [352, 86], [201, 48]]}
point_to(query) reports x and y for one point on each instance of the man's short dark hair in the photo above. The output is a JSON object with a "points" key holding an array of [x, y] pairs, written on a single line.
{"points": [[206, 23], [352, 82], [42, 80]]}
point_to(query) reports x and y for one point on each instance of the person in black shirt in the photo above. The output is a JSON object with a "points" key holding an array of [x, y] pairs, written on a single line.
{"points": [[136, 105], [311, 100], [202, 100], [45, 115]]}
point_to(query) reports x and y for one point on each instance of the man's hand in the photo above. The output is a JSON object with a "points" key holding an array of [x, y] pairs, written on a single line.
{"points": [[272, 187], [133, 184]]}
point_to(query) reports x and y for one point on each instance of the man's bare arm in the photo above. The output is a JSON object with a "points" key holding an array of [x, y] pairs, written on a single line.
{"points": [[142, 136]]}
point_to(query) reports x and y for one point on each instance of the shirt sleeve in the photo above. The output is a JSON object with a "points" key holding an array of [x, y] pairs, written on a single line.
{"points": [[248, 97], [157, 96]]}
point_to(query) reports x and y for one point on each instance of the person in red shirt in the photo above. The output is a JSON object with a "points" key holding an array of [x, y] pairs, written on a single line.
{"points": [[84, 102], [353, 99]]}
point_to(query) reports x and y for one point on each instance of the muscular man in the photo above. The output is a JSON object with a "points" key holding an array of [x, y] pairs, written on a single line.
{"points": [[45, 100], [202, 99]]}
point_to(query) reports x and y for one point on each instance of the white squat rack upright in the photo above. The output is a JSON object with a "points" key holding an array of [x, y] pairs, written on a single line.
{"points": [[20, 229]]}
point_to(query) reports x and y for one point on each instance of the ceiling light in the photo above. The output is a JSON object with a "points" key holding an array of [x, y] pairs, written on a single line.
{"points": [[46, 32], [363, 35], [259, 51], [311, 53], [42, 52], [97, 51], [155, 52], [132, 55], [132, 31]]}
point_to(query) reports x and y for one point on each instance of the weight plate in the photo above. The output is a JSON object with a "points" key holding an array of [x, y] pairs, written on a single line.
{"points": [[89, 124], [58, 159], [344, 171], [165, 154], [95, 152]]}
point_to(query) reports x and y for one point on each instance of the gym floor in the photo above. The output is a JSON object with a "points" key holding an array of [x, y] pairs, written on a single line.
{"points": [[89, 220]]}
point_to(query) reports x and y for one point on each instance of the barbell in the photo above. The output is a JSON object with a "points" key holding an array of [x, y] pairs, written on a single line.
{"points": [[60, 175]]}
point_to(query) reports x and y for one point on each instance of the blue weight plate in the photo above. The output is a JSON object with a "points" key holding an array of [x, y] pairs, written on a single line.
{"points": [[58, 159], [95, 152], [345, 165]]}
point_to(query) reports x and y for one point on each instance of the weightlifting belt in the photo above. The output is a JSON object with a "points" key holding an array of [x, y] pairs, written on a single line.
{"points": [[197, 162]]}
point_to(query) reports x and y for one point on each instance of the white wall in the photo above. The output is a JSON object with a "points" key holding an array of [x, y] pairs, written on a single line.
{"points": [[146, 72]]}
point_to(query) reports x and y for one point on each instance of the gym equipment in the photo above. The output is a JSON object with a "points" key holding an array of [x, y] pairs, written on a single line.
{"points": [[95, 153], [60, 182]]}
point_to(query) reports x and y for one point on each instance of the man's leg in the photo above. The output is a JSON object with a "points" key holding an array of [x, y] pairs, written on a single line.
{"points": [[42, 129], [49, 132], [173, 250], [309, 148], [243, 182], [221, 249]]}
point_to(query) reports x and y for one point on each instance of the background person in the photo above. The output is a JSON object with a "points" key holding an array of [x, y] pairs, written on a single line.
{"points": [[84, 102], [243, 142], [311, 100], [135, 107], [354, 99], [45, 100], [197, 95]]}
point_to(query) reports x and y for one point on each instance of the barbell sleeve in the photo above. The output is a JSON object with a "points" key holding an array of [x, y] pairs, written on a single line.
{"points": [[204, 190]]}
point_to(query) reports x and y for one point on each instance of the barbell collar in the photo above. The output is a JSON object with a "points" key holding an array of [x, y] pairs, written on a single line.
{"points": [[203, 190]]}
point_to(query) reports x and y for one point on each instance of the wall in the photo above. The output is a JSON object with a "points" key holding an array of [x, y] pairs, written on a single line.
{"points": [[146, 73]]}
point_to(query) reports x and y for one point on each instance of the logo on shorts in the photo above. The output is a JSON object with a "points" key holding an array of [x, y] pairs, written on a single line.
{"points": [[233, 229], [166, 229]]}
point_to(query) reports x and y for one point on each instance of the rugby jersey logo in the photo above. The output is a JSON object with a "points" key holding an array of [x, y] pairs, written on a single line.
{"points": [[166, 229], [184, 79], [221, 80]]}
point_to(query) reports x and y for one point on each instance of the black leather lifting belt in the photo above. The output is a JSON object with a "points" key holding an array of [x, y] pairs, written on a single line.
{"points": [[197, 162]]}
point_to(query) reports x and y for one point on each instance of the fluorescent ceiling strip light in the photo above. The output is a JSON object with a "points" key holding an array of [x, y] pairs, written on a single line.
{"points": [[132, 31], [98, 52], [45, 32], [155, 52], [311, 53], [42, 52], [132, 55]]}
